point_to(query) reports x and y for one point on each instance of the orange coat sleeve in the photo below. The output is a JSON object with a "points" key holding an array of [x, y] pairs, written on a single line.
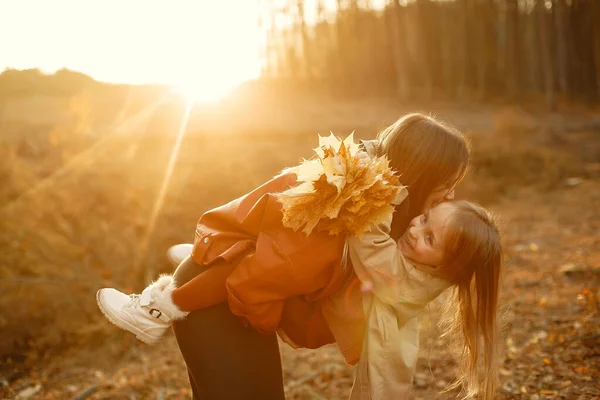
{"points": [[224, 235], [284, 264], [271, 263]]}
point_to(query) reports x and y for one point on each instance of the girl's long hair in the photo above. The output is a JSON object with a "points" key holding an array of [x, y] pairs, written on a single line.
{"points": [[427, 154], [475, 264]]}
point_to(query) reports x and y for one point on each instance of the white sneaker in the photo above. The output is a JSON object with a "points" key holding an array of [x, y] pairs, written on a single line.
{"points": [[176, 254], [147, 315]]}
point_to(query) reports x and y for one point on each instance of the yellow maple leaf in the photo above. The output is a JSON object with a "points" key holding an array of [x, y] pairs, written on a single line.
{"points": [[342, 191]]}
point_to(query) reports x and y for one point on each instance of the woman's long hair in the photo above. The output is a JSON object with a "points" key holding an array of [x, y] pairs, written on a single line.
{"points": [[428, 155]]}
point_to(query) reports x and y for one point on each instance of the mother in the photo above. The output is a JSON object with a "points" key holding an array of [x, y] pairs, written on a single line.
{"points": [[246, 267]]}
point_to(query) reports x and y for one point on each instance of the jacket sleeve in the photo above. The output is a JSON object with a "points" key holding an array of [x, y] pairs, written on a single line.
{"points": [[259, 273], [242, 217], [270, 261], [389, 356], [279, 269], [259, 284], [397, 294], [377, 260], [391, 342]]}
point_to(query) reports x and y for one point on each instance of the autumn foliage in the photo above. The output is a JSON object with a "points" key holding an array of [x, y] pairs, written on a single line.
{"points": [[340, 192]]}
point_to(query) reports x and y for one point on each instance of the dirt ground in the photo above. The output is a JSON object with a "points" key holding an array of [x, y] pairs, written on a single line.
{"points": [[552, 340], [551, 321]]}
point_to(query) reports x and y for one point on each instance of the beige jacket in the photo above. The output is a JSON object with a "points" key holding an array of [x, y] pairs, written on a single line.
{"points": [[393, 306]]}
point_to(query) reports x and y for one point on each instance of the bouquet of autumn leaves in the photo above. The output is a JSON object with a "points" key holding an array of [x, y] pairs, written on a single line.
{"points": [[340, 191]]}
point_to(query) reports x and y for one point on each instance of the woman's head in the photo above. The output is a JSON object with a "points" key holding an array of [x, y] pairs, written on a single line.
{"points": [[430, 157]]}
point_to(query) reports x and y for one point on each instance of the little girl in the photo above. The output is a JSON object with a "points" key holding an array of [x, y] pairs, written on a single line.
{"points": [[455, 244], [252, 256]]}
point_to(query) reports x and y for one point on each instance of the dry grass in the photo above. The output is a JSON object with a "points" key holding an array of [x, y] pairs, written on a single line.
{"points": [[76, 212], [78, 191]]}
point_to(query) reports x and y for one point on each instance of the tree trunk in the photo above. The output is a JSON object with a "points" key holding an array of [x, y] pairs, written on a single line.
{"points": [[468, 26], [397, 32], [422, 11], [561, 45], [596, 21], [546, 57], [512, 47], [454, 48], [304, 53]]}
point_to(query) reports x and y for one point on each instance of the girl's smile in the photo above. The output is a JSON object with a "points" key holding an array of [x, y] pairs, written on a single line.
{"points": [[423, 241]]}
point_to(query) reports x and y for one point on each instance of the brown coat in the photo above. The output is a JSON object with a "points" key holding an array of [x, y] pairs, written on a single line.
{"points": [[280, 275]]}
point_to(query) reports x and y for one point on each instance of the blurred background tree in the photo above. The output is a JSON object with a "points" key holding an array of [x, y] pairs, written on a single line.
{"points": [[511, 50]]}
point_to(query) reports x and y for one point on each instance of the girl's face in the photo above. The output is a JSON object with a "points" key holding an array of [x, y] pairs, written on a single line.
{"points": [[423, 242]]}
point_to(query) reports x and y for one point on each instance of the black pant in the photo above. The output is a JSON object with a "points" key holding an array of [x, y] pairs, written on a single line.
{"points": [[226, 360]]}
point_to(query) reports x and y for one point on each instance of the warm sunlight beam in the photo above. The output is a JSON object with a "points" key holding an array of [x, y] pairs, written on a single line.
{"points": [[194, 91], [86, 158], [160, 199]]}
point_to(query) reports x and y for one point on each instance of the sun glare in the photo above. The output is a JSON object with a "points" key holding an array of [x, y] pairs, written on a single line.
{"points": [[194, 91], [203, 49]]}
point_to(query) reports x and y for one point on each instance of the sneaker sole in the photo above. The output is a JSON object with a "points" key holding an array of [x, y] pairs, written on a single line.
{"points": [[115, 320]]}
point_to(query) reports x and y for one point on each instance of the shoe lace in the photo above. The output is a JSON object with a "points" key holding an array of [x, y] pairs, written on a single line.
{"points": [[135, 298]]}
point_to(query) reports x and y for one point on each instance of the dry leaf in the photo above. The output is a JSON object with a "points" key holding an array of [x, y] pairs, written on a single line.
{"points": [[523, 389], [340, 192], [581, 370]]}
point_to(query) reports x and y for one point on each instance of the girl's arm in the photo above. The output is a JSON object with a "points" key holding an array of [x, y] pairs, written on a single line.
{"points": [[389, 356], [377, 260], [391, 343]]}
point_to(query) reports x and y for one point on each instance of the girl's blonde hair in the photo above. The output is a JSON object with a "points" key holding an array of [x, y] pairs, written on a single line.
{"points": [[427, 154], [474, 265]]}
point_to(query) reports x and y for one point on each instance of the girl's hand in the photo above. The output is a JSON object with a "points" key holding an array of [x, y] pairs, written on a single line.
{"points": [[363, 157]]}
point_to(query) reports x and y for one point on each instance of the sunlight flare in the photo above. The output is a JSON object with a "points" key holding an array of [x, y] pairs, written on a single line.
{"points": [[204, 92], [85, 159], [160, 199], [202, 47]]}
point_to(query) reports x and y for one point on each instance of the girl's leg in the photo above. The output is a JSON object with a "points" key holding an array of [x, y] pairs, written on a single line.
{"points": [[203, 290], [149, 315], [226, 360]]}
